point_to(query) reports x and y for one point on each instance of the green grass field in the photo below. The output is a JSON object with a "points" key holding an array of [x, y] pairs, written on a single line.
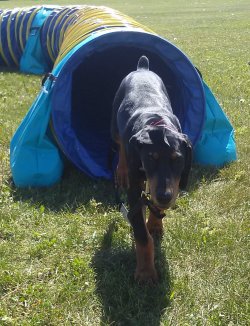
{"points": [[66, 255]]}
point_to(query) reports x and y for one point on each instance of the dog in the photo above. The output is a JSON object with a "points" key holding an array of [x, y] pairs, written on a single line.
{"points": [[149, 138]]}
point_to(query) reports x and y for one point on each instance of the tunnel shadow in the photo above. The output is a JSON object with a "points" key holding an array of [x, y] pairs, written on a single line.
{"points": [[8, 69], [75, 188], [200, 174], [124, 301]]}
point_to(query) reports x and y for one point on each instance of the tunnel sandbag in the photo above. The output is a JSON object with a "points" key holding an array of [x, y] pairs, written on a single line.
{"points": [[35, 159], [86, 86]]}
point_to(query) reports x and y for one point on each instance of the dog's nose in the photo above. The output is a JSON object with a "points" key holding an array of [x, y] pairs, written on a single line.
{"points": [[164, 197]]}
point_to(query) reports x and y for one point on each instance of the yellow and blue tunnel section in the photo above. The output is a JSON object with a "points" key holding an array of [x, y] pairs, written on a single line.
{"points": [[85, 52]]}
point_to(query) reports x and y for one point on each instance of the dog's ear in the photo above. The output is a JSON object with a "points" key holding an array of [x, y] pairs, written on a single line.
{"points": [[188, 163], [165, 136], [141, 137]]}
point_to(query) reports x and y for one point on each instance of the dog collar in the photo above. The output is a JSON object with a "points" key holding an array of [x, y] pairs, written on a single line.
{"points": [[161, 123], [158, 123]]}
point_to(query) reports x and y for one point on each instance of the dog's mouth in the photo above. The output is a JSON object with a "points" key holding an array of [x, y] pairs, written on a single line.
{"points": [[162, 197], [163, 206]]}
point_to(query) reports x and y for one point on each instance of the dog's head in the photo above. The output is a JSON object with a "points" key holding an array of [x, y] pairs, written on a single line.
{"points": [[166, 158]]}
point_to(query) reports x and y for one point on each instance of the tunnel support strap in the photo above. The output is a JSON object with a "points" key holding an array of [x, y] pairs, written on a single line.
{"points": [[48, 82], [49, 76]]}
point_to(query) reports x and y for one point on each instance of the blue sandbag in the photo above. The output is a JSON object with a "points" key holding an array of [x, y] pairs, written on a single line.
{"points": [[35, 160], [217, 144], [33, 58]]}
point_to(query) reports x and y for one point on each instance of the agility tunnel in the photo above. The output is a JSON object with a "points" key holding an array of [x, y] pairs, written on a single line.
{"points": [[87, 51]]}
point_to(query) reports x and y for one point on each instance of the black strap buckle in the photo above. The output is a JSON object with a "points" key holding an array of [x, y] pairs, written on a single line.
{"points": [[144, 200], [154, 209], [48, 76]]}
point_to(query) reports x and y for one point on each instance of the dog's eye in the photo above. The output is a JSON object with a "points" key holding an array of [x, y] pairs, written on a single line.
{"points": [[175, 156], [177, 161]]}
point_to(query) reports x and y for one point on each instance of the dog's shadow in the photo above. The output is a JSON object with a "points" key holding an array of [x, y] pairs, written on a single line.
{"points": [[124, 301]]}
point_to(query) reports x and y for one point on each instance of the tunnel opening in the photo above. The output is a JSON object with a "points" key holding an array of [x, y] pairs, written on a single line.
{"points": [[86, 87], [94, 84]]}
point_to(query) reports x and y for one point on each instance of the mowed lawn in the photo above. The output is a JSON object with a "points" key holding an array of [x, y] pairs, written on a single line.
{"points": [[66, 254]]}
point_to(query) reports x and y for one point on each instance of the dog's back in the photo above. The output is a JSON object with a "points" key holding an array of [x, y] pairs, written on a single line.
{"points": [[144, 89], [141, 96]]}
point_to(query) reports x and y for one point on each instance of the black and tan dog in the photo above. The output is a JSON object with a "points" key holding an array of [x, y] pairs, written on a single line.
{"points": [[150, 138]]}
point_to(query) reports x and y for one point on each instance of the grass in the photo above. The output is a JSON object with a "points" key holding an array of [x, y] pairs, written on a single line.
{"points": [[66, 253]]}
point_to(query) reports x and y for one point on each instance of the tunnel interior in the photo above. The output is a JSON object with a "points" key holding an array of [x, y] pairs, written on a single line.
{"points": [[94, 84]]}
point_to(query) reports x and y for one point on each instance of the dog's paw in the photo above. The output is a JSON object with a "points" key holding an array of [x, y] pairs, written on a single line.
{"points": [[146, 276]]}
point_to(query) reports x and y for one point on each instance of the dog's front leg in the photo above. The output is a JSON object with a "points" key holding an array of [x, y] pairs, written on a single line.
{"points": [[155, 225], [145, 269], [122, 168]]}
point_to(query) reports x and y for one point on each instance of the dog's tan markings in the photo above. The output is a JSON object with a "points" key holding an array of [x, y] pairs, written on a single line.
{"points": [[152, 188], [155, 225], [145, 269], [175, 155]]}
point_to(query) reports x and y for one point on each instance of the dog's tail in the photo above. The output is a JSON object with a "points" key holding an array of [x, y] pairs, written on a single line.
{"points": [[143, 63]]}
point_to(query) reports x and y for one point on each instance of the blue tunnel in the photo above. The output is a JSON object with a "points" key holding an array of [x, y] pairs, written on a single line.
{"points": [[88, 50], [82, 107]]}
